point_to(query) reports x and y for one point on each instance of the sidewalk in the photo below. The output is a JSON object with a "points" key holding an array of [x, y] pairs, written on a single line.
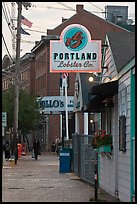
{"points": [[39, 180]]}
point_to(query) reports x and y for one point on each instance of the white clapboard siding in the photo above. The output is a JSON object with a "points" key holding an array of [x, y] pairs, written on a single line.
{"points": [[124, 157], [108, 167], [110, 63]]}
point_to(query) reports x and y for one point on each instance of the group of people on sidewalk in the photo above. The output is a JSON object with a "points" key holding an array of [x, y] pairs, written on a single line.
{"points": [[36, 149]]}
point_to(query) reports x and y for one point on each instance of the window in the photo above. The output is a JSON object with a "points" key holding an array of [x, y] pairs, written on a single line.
{"points": [[122, 133], [125, 101]]}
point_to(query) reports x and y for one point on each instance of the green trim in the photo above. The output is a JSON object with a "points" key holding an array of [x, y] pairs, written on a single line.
{"points": [[99, 126], [132, 131], [99, 169]]}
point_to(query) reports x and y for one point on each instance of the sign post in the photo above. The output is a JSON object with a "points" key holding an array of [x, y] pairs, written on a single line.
{"points": [[66, 104]]}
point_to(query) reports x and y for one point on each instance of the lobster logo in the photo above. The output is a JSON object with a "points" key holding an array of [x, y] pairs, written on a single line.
{"points": [[75, 41]]}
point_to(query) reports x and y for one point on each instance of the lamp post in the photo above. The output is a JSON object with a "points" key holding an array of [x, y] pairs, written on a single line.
{"points": [[96, 178], [95, 79]]}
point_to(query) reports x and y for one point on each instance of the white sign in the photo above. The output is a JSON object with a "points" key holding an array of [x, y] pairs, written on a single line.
{"points": [[75, 51], [4, 119], [55, 103]]}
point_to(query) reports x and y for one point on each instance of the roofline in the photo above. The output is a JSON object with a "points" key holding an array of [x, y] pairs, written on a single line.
{"points": [[93, 15]]}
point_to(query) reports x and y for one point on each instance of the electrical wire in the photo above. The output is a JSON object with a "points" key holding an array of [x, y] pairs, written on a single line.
{"points": [[72, 9], [27, 41], [7, 20], [95, 6], [39, 27], [7, 48], [5, 12], [35, 31], [66, 8], [8, 10]]}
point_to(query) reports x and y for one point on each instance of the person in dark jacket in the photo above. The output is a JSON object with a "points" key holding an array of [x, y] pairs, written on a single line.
{"points": [[36, 147], [7, 150]]}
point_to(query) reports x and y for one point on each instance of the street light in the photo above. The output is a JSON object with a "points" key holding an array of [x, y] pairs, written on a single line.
{"points": [[97, 78], [91, 79]]}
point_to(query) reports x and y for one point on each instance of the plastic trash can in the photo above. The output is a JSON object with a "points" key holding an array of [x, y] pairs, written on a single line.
{"points": [[19, 150], [64, 160]]}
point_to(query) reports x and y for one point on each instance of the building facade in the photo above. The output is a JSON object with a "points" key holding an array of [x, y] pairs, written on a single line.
{"points": [[115, 100]]}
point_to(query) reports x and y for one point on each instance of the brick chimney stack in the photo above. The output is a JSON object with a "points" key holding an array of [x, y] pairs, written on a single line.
{"points": [[79, 8]]}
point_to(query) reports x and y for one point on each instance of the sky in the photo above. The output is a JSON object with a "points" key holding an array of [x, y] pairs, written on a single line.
{"points": [[47, 15]]}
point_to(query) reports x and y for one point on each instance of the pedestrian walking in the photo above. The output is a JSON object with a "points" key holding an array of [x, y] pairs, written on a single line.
{"points": [[7, 150], [36, 148], [53, 147], [58, 145]]}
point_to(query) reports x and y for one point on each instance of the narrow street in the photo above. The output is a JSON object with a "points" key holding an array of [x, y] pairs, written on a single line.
{"points": [[39, 180]]}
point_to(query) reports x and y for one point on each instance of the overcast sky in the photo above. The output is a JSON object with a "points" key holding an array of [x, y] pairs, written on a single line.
{"points": [[48, 15]]}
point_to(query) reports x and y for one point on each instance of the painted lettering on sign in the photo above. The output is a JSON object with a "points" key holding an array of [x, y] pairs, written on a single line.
{"points": [[55, 103], [75, 51], [4, 119], [51, 103]]}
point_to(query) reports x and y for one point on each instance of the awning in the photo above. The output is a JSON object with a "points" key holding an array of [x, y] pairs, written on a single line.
{"points": [[108, 89], [101, 93]]}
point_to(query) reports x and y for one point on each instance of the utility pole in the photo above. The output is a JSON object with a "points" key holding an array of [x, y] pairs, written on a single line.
{"points": [[17, 79], [17, 84]]}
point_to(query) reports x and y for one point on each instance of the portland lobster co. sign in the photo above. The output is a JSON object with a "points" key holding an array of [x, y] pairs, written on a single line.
{"points": [[75, 51]]}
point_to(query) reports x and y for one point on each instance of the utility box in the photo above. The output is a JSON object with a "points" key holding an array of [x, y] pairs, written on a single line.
{"points": [[64, 160]]}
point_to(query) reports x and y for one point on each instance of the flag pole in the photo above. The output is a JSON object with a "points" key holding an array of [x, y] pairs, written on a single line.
{"points": [[66, 109]]}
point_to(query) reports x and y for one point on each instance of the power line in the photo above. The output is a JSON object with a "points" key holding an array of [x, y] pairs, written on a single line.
{"points": [[6, 18], [36, 31], [5, 12], [67, 6], [8, 10], [27, 41], [50, 7], [39, 27], [7, 48], [95, 6]]}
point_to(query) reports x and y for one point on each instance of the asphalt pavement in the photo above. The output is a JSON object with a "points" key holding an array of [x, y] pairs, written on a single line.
{"points": [[40, 180]]}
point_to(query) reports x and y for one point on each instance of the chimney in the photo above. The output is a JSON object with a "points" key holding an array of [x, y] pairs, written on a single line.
{"points": [[79, 8], [36, 42]]}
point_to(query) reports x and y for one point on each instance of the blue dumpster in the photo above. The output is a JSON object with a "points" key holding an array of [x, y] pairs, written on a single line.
{"points": [[64, 160]]}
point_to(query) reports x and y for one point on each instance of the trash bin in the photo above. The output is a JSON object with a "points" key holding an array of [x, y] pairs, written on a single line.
{"points": [[64, 160], [19, 150]]}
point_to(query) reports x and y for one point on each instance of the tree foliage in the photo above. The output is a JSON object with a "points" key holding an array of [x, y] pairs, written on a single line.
{"points": [[28, 116]]}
